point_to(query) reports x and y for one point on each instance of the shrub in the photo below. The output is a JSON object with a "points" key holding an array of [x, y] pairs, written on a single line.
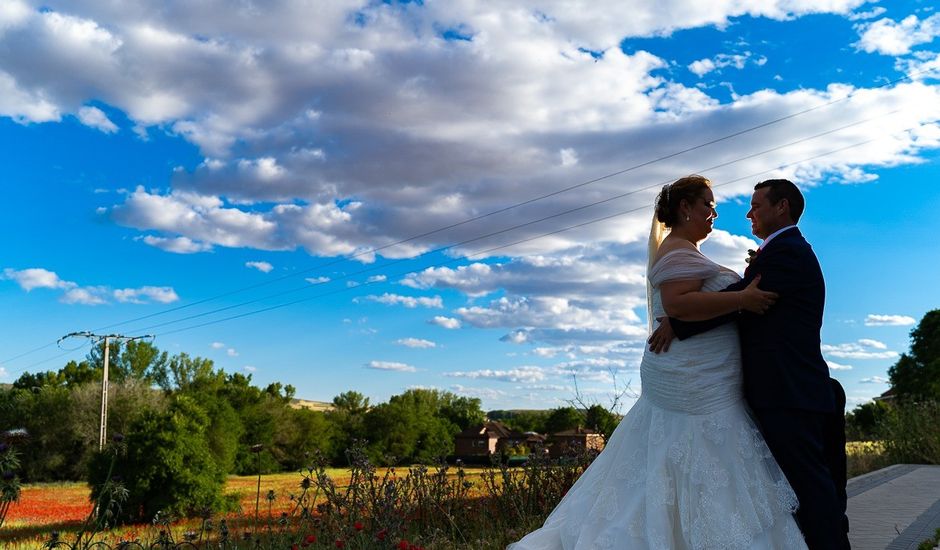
{"points": [[911, 432], [165, 464]]}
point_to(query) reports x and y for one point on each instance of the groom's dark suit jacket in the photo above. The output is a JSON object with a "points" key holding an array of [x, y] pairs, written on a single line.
{"points": [[782, 363]]}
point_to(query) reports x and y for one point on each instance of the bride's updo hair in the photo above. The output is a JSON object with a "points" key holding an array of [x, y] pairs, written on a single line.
{"points": [[689, 188]]}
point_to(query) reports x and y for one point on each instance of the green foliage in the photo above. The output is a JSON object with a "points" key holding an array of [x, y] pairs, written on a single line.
{"points": [[167, 465], [411, 428], [522, 420], [911, 432], [916, 376], [862, 424], [563, 418], [602, 420]]}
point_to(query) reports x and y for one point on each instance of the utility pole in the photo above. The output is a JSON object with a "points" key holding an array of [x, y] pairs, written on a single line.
{"points": [[103, 428]]}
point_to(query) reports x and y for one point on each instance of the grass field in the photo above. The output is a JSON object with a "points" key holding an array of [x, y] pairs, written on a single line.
{"points": [[47, 507], [62, 507]]}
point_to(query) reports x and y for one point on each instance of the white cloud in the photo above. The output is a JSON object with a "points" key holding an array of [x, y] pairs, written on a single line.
{"points": [[36, 277], [217, 345], [568, 156], [263, 267], [177, 245], [317, 280], [90, 296], [231, 352], [390, 365], [875, 380], [376, 279], [890, 37], [249, 369], [874, 320], [482, 393], [407, 301], [861, 350], [518, 374], [738, 61], [145, 294], [416, 343], [867, 342], [836, 366], [445, 322], [94, 117]]}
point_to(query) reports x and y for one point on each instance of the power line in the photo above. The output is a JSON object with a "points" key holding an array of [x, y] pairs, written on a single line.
{"points": [[507, 208], [528, 239], [517, 226], [909, 76]]}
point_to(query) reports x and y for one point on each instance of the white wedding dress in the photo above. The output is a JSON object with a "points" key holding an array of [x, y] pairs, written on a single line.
{"points": [[687, 467]]}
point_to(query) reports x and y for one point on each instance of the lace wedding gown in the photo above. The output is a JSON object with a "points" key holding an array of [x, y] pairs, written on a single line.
{"points": [[686, 468]]}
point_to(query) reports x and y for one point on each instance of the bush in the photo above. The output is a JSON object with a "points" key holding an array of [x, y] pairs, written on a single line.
{"points": [[165, 464], [911, 432]]}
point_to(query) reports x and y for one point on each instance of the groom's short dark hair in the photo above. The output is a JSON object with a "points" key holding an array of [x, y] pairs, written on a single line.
{"points": [[784, 189]]}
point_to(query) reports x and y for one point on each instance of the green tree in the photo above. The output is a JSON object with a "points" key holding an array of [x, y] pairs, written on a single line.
{"points": [[601, 419], [563, 418], [411, 428], [348, 419], [863, 422], [167, 465], [916, 376]]}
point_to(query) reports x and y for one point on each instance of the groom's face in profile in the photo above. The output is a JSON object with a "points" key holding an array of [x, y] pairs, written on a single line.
{"points": [[765, 216]]}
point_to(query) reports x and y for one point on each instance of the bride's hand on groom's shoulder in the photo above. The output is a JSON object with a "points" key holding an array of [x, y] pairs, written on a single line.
{"points": [[755, 300], [661, 338]]}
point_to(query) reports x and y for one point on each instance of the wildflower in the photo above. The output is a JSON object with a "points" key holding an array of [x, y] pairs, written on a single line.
{"points": [[4, 447], [382, 534], [8, 475], [340, 543], [117, 438], [357, 526], [257, 448], [310, 539], [404, 545], [294, 546]]}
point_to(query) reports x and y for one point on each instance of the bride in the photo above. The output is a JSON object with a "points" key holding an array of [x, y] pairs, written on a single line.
{"points": [[687, 467]]}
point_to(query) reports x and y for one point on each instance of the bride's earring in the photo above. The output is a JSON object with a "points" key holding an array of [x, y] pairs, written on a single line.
{"points": [[687, 218]]}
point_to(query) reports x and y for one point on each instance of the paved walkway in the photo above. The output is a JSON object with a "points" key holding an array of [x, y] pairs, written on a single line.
{"points": [[896, 508]]}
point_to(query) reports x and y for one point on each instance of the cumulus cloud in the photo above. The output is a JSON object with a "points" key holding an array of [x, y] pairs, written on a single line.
{"points": [[263, 267], [445, 322], [144, 294], [249, 369], [890, 37], [317, 280], [875, 320], [177, 245], [217, 345], [837, 366], [482, 393], [410, 302], [390, 365], [36, 277], [416, 343], [518, 374], [231, 352], [538, 98], [702, 67], [91, 295], [95, 118], [863, 349], [874, 380]]}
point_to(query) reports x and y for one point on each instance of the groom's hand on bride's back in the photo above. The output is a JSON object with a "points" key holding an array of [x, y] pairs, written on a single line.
{"points": [[756, 300], [661, 338]]}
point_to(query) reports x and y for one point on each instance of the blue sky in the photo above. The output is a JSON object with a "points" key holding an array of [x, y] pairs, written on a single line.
{"points": [[170, 167]]}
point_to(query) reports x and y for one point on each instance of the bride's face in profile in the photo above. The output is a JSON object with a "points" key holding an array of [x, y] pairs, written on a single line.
{"points": [[702, 215]]}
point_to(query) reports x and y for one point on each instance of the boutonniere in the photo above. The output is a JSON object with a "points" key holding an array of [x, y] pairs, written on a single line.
{"points": [[750, 256]]}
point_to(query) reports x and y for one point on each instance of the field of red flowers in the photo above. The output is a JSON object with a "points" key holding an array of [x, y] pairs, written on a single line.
{"points": [[44, 508]]}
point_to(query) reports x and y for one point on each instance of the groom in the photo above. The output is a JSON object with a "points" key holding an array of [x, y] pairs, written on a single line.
{"points": [[786, 379]]}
